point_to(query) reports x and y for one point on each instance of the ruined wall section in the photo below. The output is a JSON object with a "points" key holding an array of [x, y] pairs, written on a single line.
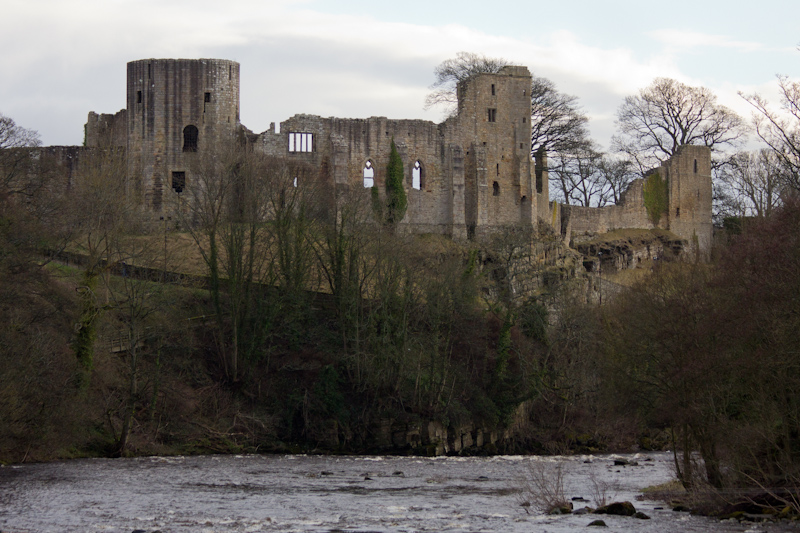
{"points": [[493, 127], [688, 177], [630, 212], [106, 130], [341, 149], [175, 109]]}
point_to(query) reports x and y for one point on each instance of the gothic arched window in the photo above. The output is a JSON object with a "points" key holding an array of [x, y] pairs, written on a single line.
{"points": [[369, 174], [416, 176]]}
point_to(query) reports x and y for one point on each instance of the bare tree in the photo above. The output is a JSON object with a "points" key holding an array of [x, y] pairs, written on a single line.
{"points": [[617, 175], [14, 159], [100, 217], [28, 196], [577, 177], [450, 72], [668, 114], [558, 124], [752, 184], [227, 211], [781, 131]]}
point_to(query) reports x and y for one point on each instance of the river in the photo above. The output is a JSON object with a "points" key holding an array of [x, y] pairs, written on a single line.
{"points": [[302, 493]]}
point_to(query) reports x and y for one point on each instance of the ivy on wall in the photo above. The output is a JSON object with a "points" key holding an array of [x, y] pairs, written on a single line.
{"points": [[656, 197], [396, 201]]}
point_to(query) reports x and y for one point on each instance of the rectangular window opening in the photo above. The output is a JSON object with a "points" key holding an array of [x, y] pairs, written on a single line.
{"points": [[207, 98], [138, 97], [493, 92], [301, 142], [492, 115], [178, 181]]}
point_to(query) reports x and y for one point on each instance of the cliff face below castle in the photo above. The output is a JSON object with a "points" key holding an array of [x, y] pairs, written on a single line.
{"points": [[628, 249]]}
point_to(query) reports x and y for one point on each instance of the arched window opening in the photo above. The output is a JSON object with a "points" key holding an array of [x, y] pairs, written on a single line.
{"points": [[190, 134], [495, 189], [416, 175], [369, 174]]}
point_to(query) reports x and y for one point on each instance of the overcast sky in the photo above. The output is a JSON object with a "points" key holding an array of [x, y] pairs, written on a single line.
{"points": [[357, 58]]}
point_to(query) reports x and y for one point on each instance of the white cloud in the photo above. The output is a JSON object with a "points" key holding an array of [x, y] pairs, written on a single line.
{"points": [[297, 60], [687, 39]]}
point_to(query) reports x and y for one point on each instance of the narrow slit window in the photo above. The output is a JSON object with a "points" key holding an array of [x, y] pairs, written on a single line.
{"points": [[493, 91], [369, 174], [301, 142], [695, 166], [138, 97], [498, 169], [492, 115]]}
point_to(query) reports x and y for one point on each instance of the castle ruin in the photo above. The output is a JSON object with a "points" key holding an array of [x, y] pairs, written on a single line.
{"points": [[466, 177]]}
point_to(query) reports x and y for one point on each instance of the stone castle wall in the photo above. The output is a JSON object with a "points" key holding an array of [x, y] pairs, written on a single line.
{"points": [[475, 173], [106, 130], [688, 177]]}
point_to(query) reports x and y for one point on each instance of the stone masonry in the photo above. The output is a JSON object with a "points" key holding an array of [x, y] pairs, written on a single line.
{"points": [[466, 177], [688, 215]]}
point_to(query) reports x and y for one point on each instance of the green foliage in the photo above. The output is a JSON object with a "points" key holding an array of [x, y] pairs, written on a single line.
{"points": [[328, 394], [396, 200], [656, 197], [86, 330], [533, 320], [377, 205]]}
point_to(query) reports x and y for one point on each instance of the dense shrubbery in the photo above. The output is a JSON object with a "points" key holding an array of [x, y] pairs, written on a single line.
{"points": [[695, 357], [706, 356]]}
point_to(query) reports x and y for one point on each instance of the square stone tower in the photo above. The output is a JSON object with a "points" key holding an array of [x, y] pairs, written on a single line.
{"points": [[493, 126]]}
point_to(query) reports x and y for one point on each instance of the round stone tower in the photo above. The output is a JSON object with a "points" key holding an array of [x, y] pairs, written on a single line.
{"points": [[175, 109]]}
